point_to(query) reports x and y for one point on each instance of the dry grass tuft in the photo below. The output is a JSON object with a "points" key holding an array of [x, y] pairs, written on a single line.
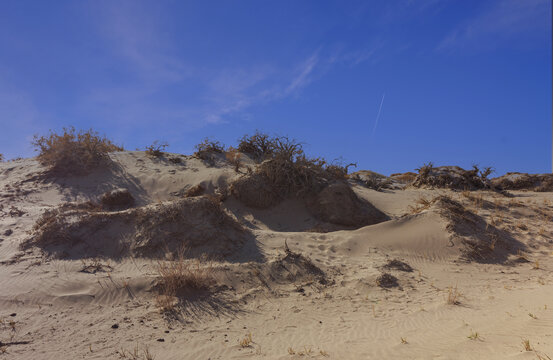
{"points": [[179, 276], [474, 335], [526, 345], [72, 152], [246, 341], [136, 353], [233, 157], [453, 296]]}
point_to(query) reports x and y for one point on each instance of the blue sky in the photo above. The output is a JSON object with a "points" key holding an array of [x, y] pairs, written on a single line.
{"points": [[387, 84]]}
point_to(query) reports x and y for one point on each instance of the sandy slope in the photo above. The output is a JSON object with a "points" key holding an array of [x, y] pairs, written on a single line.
{"points": [[64, 313]]}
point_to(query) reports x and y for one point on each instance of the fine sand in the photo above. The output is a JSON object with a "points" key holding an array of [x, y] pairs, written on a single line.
{"points": [[474, 271]]}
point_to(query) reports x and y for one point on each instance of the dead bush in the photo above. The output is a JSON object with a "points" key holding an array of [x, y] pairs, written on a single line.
{"points": [[387, 281], [233, 157], [178, 277], [1, 157], [285, 172], [452, 177], [207, 148], [72, 152], [156, 149], [259, 146]]}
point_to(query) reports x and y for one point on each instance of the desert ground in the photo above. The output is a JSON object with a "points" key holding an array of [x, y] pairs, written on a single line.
{"points": [[197, 265]]}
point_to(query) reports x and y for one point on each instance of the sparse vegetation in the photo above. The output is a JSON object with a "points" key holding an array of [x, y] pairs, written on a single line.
{"points": [[526, 345], [72, 152], [387, 281], [179, 276], [207, 148], [136, 353], [286, 171], [474, 335], [246, 341], [259, 146], [1, 157], [453, 296], [156, 149], [233, 157]]}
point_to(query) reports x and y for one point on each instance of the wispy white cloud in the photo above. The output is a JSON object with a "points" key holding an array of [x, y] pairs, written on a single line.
{"points": [[500, 23]]}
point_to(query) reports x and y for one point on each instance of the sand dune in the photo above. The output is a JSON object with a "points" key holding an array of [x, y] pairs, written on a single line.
{"points": [[302, 278]]}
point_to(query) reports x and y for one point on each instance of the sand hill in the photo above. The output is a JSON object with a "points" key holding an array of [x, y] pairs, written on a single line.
{"points": [[169, 256]]}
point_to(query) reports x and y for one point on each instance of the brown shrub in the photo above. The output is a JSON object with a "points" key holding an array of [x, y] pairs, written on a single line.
{"points": [[207, 148], [233, 156], [179, 276], [73, 153], [387, 281], [452, 177], [156, 149], [259, 146], [285, 172], [1, 157]]}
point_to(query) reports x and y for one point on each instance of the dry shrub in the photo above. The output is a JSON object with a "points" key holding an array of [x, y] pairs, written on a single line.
{"points": [[421, 204], [290, 172], [233, 156], [180, 276], [1, 157], [156, 149], [259, 146], [387, 281], [453, 296], [72, 152], [207, 148], [452, 177], [287, 171]]}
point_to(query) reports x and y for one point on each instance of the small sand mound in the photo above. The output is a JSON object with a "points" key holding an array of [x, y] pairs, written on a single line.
{"points": [[294, 267], [254, 192], [520, 181], [197, 224], [484, 242], [338, 204], [451, 177], [121, 198]]}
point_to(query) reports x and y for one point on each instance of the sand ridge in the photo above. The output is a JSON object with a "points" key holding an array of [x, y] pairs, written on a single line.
{"points": [[294, 287]]}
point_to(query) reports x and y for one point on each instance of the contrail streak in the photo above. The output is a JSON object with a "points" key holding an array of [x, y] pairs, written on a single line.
{"points": [[378, 115]]}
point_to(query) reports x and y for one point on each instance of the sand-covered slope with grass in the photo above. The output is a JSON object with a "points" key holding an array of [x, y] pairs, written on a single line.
{"points": [[217, 256]]}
